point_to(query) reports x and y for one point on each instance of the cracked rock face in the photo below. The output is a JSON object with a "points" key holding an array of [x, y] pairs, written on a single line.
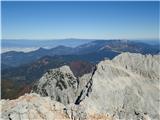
{"points": [[127, 87], [61, 85]]}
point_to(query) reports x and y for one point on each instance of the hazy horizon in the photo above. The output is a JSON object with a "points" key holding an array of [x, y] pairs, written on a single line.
{"points": [[36, 39], [31, 45]]}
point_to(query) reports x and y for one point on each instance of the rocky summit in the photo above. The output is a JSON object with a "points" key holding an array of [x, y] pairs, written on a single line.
{"points": [[126, 87], [61, 85]]}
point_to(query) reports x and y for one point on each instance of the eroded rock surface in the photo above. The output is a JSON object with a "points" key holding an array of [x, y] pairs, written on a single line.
{"points": [[61, 85], [32, 107], [126, 87]]}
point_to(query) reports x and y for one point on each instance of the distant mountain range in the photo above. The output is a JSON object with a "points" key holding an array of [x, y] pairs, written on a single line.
{"points": [[20, 69], [70, 42], [105, 48]]}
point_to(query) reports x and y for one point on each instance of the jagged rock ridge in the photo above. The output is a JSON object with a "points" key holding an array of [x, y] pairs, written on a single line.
{"points": [[126, 87], [61, 85]]}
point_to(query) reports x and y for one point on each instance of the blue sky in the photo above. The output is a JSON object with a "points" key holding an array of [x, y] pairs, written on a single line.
{"points": [[98, 20]]}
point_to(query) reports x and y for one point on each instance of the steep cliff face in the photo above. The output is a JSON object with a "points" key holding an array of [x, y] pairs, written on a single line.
{"points": [[61, 85], [126, 87]]}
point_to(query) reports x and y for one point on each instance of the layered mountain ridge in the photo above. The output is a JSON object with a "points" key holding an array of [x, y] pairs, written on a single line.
{"points": [[126, 87], [105, 48]]}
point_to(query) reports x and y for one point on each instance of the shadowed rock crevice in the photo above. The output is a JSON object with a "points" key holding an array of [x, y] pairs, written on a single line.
{"points": [[86, 90]]}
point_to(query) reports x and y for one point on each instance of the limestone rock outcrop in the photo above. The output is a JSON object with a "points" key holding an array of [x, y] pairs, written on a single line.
{"points": [[61, 85], [32, 107], [126, 87]]}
